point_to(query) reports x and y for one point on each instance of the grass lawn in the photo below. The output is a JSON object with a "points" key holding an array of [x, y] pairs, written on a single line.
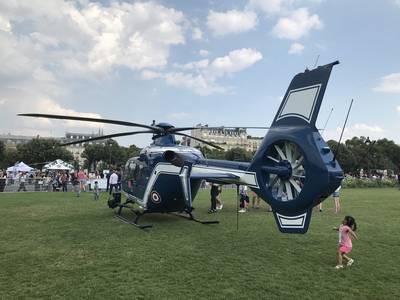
{"points": [[53, 245]]}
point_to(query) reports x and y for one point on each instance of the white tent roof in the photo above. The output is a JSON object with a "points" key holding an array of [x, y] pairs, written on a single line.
{"points": [[20, 167], [58, 164]]}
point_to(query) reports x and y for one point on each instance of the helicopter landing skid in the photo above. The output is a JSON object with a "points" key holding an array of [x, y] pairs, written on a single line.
{"points": [[133, 222], [192, 218]]}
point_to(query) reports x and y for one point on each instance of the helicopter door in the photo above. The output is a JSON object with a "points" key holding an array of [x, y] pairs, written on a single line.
{"points": [[136, 178]]}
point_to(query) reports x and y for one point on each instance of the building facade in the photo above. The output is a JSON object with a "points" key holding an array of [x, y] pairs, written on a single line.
{"points": [[11, 141], [226, 138]]}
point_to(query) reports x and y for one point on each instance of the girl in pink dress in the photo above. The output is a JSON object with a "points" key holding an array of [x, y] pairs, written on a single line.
{"points": [[346, 234]]}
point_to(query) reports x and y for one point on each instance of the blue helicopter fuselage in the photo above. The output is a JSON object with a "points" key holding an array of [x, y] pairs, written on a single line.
{"points": [[154, 183]]}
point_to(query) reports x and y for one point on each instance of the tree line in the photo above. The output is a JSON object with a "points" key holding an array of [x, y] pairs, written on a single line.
{"points": [[353, 155], [40, 151]]}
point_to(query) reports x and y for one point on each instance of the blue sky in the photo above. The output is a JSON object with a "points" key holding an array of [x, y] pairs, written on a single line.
{"points": [[189, 62]]}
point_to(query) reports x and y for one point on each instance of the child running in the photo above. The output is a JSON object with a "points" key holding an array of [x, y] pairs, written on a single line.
{"points": [[346, 234]]}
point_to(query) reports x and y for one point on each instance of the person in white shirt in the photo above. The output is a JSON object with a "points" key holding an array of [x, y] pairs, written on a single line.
{"points": [[113, 182], [22, 180]]}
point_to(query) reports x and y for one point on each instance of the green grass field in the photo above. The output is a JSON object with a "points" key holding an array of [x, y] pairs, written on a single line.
{"points": [[53, 245]]}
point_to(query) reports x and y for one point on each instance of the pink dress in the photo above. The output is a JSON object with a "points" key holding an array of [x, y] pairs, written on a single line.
{"points": [[345, 244]]}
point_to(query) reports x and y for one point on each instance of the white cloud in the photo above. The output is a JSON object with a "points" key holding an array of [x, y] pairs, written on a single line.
{"points": [[204, 53], [199, 84], [232, 21], [4, 24], [95, 37], [235, 61], [296, 48], [197, 34], [202, 76], [368, 128], [267, 6], [358, 129], [148, 74], [296, 24], [32, 99], [389, 84], [46, 44], [200, 64], [398, 108]]}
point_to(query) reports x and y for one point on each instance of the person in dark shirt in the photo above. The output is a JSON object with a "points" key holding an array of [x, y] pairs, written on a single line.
{"points": [[214, 192]]}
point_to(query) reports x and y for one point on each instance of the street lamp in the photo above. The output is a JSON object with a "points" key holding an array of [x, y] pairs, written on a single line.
{"points": [[109, 143], [369, 144]]}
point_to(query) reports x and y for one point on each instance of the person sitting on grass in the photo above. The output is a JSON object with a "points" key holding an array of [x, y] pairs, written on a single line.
{"points": [[346, 234]]}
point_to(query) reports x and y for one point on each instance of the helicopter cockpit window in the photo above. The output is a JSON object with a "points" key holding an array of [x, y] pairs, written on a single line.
{"points": [[300, 103], [165, 140]]}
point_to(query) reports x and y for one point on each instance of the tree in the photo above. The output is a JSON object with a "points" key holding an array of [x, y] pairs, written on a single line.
{"points": [[39, 151], [238, 154], [9, 158], [93, 153], [132, 151], [345, 157], [2, 149], [212, 153], [109, 154]]}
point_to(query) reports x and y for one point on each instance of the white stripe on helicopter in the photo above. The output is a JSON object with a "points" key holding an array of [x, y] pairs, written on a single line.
{"points": [[245, 177]]}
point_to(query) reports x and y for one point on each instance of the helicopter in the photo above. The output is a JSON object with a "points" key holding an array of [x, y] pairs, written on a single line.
{"points": [[293, 170]]}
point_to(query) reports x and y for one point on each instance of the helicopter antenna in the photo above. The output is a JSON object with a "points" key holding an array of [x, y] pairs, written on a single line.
{"points": [[327, 120], [316, 61], [341, 135]]}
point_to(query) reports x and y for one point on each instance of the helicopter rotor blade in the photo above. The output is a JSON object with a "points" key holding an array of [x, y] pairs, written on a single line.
{"points": [[86, 119], [200, 140], [109, 136], [234, 127], [176, 129]]}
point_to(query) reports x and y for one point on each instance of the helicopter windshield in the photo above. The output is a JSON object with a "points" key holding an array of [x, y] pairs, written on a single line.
{"points": [[165, 140]]}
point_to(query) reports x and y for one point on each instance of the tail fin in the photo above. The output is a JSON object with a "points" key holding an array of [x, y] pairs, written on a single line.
{"points": [[303, 98], [294, 166]]}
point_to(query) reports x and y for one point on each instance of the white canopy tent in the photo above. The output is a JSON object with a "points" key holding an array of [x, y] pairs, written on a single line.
{"points": [[58, 164], [19, 167]]}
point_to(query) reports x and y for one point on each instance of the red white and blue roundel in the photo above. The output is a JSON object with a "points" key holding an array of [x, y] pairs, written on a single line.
{"points": [[155, 197]]}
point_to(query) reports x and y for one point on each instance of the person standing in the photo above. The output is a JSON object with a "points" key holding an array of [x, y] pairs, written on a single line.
{"points": [[244, 198], [113, 182], [119, 174], [22, 180], [108, 180], [75, 184], [96, 190], [219, 204], [214, 192], [337, 199], [255, 201], [82, 180], [64, 181]]}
